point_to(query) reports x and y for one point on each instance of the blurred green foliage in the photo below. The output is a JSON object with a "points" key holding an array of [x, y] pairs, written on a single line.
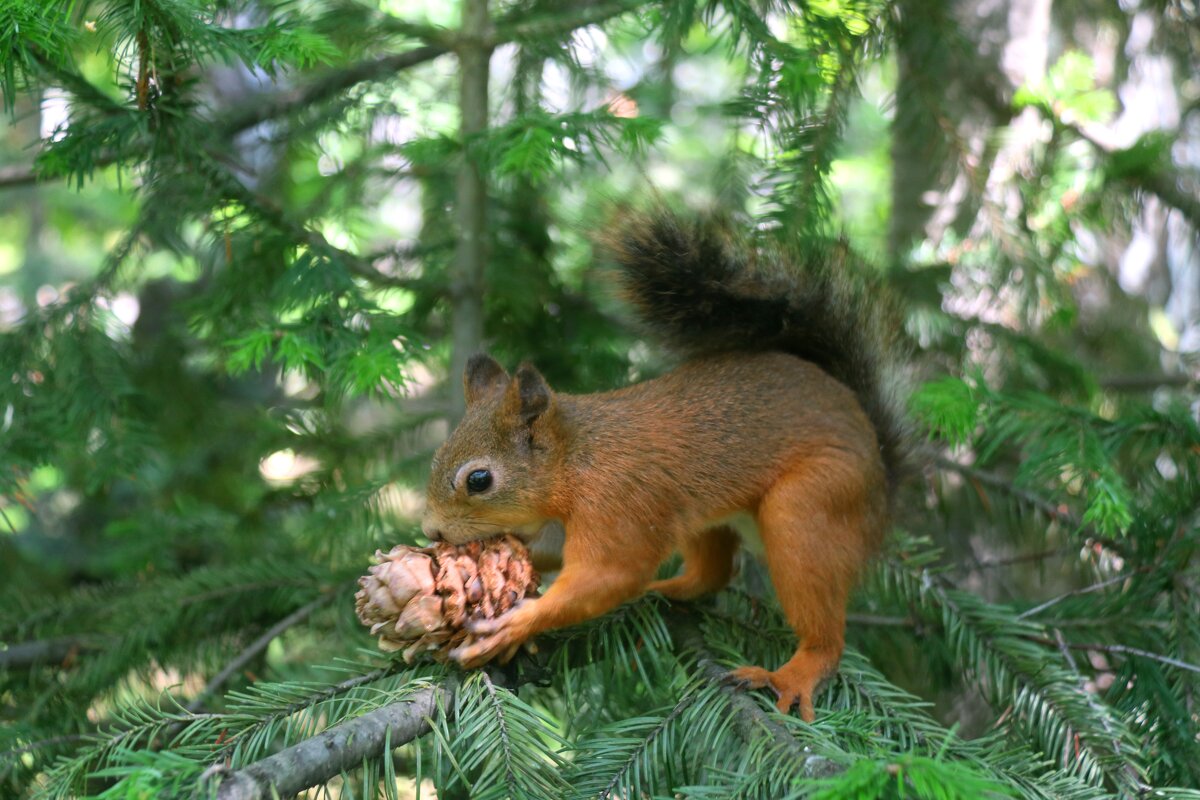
{"points": [[226, 294]]}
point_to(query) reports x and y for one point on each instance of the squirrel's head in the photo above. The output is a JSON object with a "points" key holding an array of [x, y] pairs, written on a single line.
{"points": [[494, 472]]}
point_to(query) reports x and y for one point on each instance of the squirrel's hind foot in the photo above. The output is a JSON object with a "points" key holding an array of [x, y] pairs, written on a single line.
{"points": [[793, 684]]}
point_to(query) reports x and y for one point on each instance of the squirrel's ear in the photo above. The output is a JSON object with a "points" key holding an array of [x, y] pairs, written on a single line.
{"points": [[482, 378], [529, 395]]}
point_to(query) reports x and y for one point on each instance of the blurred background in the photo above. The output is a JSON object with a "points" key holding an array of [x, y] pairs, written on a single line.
{"points": [[246, 247]]}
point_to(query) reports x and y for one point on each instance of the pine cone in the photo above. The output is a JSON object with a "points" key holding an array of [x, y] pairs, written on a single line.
{"points": [[418, 599]]}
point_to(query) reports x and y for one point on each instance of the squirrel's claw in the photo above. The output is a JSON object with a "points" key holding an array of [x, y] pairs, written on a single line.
{"points": [[486, 649], [789, 690], [734, 682], [486, 627], [750, 678], [474, 655], [494, 639]]}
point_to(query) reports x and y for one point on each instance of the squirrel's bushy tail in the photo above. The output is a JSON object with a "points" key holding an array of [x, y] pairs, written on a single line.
{"points": [[705, 290]]}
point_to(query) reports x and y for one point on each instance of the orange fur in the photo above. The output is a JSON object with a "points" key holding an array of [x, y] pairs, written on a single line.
{"points": [[707, 565], [640, 472]]}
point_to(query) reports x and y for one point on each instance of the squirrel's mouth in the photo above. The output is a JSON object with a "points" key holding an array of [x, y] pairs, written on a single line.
{"points": [[453, 529], [460, 531]]}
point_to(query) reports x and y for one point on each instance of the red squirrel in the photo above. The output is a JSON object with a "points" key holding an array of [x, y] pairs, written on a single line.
{"points": [[781, 409]]}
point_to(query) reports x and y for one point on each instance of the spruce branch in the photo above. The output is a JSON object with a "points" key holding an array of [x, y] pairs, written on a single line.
{"points": [[255, 648], [47, 651], [505, 740], [283, 103], [750, 721], [273, 105], [582, 14], [223, 179], [340, 748], [1046, 697], [514, 26], [346, 745], [644, 748], [279, 713], [262, 108]]}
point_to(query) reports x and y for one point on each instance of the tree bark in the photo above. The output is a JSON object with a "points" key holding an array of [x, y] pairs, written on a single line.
{"points": [[918, 148], [466, 278], [338, 749]]}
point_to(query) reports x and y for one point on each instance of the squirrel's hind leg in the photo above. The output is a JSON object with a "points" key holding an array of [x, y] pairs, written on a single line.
{"points": [[707, 565], [813, 523]]}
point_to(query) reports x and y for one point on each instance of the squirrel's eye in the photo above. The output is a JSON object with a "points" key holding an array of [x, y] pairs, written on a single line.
{"points": [[479, 481]]}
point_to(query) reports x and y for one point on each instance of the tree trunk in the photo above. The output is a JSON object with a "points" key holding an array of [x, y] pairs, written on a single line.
{"points": [[466, 279], [918, 148]]}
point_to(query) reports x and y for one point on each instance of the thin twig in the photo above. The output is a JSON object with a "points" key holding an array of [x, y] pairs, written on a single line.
{"points": [[42, 745], [1008, 561], [1049, 508], [254, 648], [346, 745], [880, 621], [46, 651], [1138, 383], [1095, 587], [16, 175], [8, 521], [996, 481], [1122, 649]]}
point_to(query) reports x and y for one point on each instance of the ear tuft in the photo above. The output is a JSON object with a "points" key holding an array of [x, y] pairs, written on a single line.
{"points": [[533, 393], [483, 377]]}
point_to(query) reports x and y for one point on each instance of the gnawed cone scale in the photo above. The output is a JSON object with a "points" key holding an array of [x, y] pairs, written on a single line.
{"points": [[417, 599]]}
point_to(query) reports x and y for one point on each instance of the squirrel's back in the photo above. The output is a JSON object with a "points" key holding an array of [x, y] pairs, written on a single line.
{"points": [[705, 291]]}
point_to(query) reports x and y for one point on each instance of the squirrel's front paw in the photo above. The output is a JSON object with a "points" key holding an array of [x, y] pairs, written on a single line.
{"points": [[500, 646], [497, 638], [484, 627]]}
